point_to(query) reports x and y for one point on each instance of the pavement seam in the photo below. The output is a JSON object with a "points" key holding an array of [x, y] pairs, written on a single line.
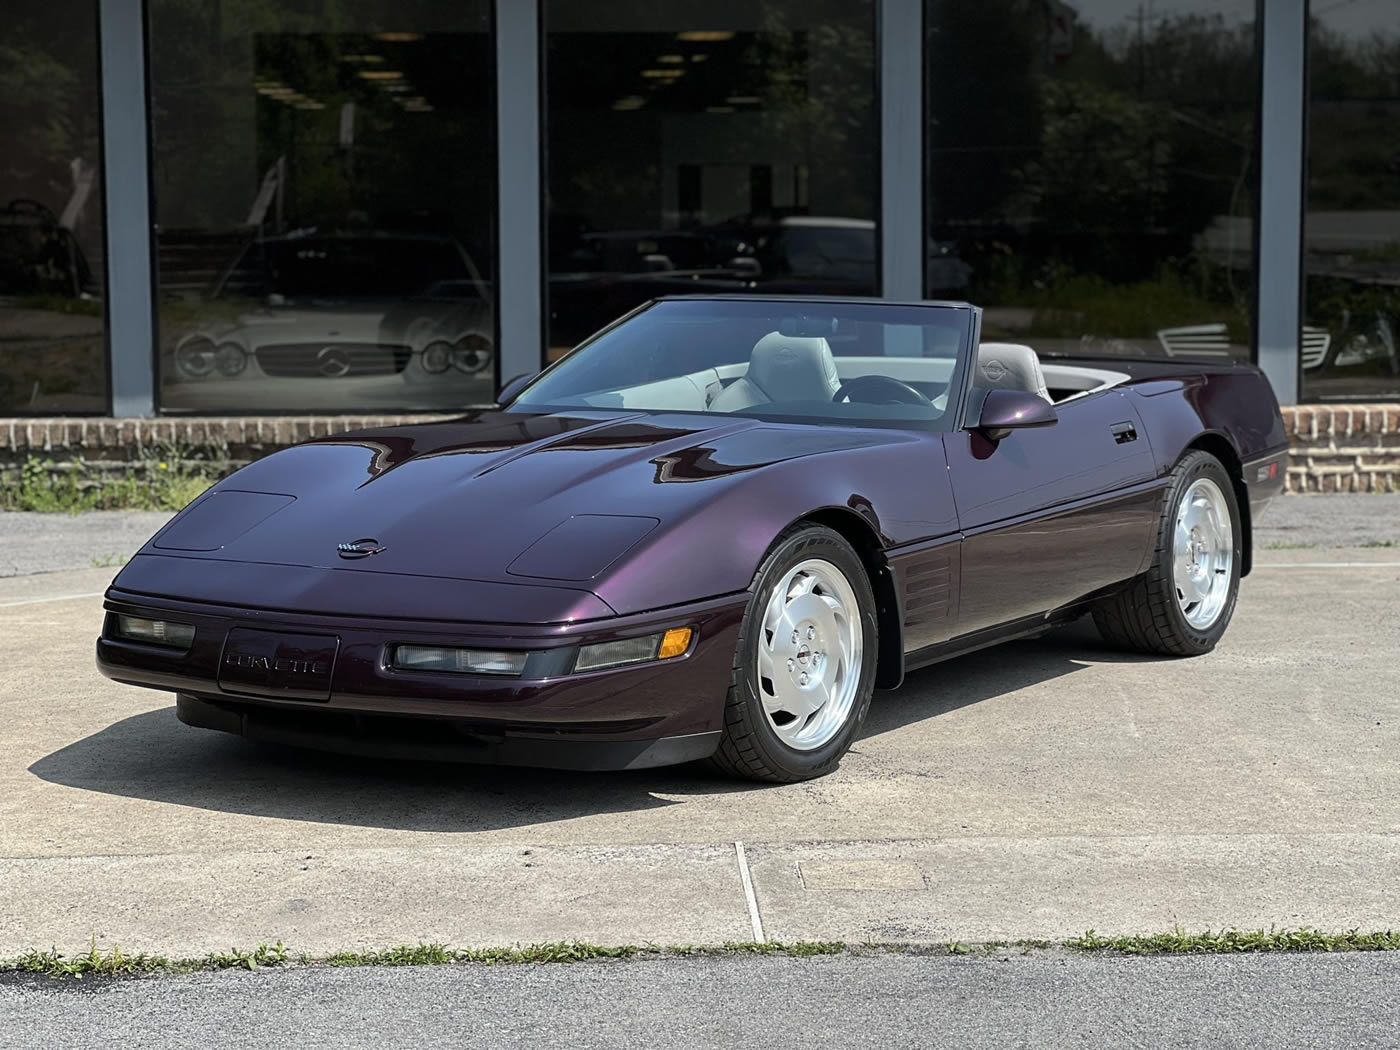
{"points": [[755, 920]]}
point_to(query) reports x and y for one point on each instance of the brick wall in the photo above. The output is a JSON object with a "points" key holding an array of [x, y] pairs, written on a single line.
{"points": [[1336, 448], [1343, 448]]}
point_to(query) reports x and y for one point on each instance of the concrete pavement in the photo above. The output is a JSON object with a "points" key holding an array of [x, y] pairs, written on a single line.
{"points": [[1030, 791]]}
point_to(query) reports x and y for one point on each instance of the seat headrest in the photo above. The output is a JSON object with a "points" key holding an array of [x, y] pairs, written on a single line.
{"points": [[794, 368], [1009, 366]]}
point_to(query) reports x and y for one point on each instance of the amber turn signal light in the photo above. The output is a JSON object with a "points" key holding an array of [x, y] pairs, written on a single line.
{"points": [[673, 643]]}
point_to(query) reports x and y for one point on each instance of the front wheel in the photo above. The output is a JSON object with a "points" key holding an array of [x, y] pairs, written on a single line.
{"points": [[804, 669], [1183, 603]]}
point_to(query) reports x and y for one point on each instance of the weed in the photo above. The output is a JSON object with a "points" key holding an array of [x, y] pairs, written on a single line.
{"points": [[165, 482], [116, 963], [1381, 543], [1179, 942], [108, 561], [1287, 545]]}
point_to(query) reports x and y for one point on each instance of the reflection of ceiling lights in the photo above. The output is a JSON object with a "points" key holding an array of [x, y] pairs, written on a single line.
{"points": [[398, 38], [380, 74], [706, 36], [397, 87], [699, 57], [719, 109], [670, 60], [630, 102], [308, 104], [742, 100], [368, 60], [663, 74]]}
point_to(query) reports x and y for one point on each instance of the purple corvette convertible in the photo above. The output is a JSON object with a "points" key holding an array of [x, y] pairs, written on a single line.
{"points": [[710, 532]]}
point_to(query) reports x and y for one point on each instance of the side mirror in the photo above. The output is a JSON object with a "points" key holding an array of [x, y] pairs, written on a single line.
{"points": [[513, 386], [1006, 410]]}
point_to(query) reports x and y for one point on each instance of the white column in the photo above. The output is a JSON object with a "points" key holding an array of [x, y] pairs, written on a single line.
{"points": [[1281, 166], [127, 208], [901, 50], [519, 138]]}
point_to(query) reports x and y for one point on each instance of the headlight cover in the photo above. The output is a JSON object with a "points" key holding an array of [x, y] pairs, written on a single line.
{"points": [[437, 357], [457, 661], [472, 354], [154, 632], [230, 358], [663, 646], [195, 358]]}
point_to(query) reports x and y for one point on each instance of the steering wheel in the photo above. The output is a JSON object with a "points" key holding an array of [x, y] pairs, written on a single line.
{"points": [[880, 390]]}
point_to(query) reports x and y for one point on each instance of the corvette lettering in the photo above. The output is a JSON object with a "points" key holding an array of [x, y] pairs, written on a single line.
{"points": [[268, 663]]}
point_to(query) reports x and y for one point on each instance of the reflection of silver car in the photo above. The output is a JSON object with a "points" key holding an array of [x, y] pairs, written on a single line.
{"points": [[340, 322]]}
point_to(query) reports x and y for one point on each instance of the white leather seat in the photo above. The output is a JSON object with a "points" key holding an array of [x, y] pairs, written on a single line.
{"points": [[1009, 366], [783, 368]]}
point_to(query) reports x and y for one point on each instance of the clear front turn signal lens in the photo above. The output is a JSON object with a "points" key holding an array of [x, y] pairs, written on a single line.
{"points": [[155, 632], [457, 661]]}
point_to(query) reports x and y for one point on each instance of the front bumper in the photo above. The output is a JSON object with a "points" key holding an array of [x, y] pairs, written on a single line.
{"points": [[649, 714]]}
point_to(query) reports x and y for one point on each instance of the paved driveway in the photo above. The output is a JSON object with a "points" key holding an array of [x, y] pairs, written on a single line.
{"points": [[1030, 791]]}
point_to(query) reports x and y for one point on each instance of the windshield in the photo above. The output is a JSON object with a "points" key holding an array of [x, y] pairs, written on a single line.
{"points": [[345, 267], [856, 363]]}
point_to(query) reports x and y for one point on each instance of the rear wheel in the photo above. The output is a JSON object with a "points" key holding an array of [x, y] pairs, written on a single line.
{"points": [[804, 670], [1183, 603]]}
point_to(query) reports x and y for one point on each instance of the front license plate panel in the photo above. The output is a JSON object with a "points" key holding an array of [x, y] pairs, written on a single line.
{"points": [[278, 665]]}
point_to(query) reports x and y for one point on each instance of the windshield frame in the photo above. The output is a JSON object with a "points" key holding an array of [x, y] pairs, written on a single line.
{"points": [[952, 419]]}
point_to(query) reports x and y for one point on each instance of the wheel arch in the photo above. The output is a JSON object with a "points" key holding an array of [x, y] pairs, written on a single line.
{"points": [[1219, 446], [860, 534]]}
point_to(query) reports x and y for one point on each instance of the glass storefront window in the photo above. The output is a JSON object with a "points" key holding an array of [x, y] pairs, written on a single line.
{"points": [[1091, 172], [1350, 346], [701, 146], [324, 185], [52, 342]]}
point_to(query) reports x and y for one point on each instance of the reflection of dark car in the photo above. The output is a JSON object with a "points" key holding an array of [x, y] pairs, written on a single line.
{"points": [[338, 322], [711, 532], [40, 257], [611, 273]]}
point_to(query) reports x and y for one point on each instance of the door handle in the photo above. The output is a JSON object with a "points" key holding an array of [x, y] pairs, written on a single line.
{"points": [[1123, 433]]}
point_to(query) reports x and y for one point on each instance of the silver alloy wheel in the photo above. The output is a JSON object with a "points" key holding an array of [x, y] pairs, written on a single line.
{"points": [[1203, 553], [809, 654]]}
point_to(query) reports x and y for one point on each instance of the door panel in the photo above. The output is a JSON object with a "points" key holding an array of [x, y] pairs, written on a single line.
{"points": [[1051, 514]]}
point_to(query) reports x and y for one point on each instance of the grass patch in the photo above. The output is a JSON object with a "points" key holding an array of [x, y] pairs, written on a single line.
{"points": [[170, 483], [1381, 543], [1287, 545], [114, 962], [1225, 942]]}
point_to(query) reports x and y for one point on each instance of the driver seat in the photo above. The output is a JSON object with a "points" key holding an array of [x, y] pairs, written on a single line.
{"points": [[783, 368]]}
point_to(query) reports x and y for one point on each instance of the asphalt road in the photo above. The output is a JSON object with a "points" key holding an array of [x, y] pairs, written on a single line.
{"points": [[35, 543], [1317, 1002]]}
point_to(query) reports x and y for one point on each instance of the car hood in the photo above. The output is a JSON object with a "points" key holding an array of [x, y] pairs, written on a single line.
{"points": [[502, 497]]}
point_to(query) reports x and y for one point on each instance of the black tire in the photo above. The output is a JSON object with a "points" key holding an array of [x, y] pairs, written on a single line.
{"points": [[1147, 616], [750, 747]]}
